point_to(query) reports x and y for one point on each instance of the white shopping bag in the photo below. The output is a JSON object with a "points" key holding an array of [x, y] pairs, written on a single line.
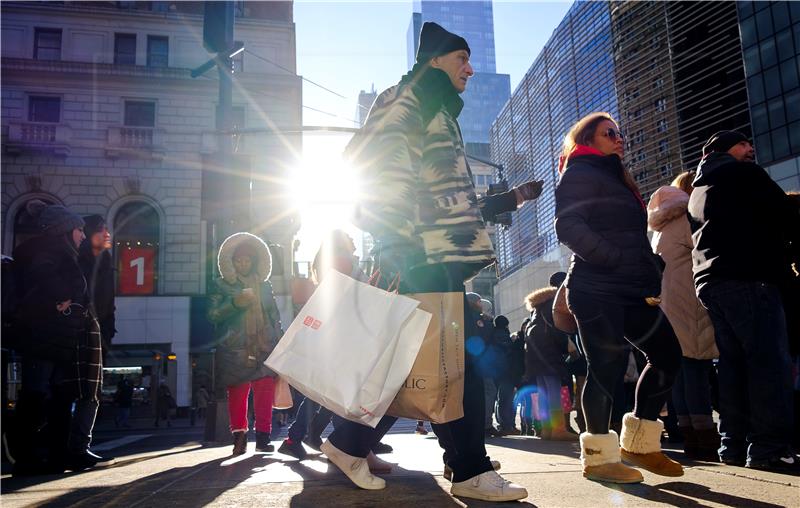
{"points": [[351, 347]]}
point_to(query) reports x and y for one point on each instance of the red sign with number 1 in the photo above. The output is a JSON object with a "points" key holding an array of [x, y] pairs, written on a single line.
{"points": [[136, 271]]}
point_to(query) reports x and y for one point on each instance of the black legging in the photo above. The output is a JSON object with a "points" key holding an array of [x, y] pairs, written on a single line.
{"points": [[604, 328]]}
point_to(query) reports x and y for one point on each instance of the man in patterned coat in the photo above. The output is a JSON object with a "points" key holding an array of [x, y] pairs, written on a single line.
{"points": [[421, 207]]}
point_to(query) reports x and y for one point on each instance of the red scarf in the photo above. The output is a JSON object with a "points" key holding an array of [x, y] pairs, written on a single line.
{"points": [[588, 150]]}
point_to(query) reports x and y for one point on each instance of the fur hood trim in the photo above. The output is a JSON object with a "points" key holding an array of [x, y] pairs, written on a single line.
{"points": [[263, 265], [667, 204], [539, 296]]}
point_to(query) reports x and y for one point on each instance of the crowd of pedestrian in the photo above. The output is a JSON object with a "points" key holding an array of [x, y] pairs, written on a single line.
{"points": [[636, 325]]}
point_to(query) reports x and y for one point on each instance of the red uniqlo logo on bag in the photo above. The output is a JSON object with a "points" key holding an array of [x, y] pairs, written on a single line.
{"points": [[312, 323]]}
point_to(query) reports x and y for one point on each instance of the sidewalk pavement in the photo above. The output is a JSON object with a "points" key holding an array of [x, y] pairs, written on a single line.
{"points": [[192, 475]]}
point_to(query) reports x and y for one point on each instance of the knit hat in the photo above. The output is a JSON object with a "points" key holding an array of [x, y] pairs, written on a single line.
{"points": [[53, 220], [93, 224], [436, 41], [722, 141], [501, 322], [557, 279]]}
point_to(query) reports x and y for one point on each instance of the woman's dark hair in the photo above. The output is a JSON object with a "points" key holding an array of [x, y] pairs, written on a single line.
{"points": [[582, 133]]}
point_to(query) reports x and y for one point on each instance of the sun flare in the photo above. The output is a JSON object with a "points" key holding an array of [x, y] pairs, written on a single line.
{"points": [[324, 189]]}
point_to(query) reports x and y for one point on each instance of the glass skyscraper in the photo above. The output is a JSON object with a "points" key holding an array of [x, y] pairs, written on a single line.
{"points": [[571, 77], [770, 33], [487, 91]]}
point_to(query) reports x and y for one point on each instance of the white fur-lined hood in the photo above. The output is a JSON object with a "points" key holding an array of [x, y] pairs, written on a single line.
{"points": [[263, 265]]}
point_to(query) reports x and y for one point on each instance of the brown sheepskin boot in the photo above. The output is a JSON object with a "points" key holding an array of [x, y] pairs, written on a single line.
{"points": [[641, 446], [601, 461]]}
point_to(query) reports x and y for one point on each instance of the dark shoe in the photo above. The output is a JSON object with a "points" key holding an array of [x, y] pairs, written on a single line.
{"points": [[239, 443], [788, 463], [733, 461], [493, 432], [707, 444], [689, 442], [510, 432], [99, 460], [293, 449], [382, 448], [313, 443], [80, 461], [263, 443]]}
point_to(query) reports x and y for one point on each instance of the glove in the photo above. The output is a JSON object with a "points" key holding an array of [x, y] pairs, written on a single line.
{"points": [[531, 190]]}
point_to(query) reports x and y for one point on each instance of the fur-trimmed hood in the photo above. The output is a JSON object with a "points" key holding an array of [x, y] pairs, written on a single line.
{"points": [[263, 265], [667, 204], [539, 297]]}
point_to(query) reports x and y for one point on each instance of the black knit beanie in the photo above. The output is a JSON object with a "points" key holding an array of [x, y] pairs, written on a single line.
{"points": [[53, 220], [436, 41], [722, 141], [557, 279], [94, 223], [501, 322]]}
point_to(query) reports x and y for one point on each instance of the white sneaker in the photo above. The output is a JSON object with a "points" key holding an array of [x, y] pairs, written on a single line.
{"points": [[355, 468], [489, 486], [448, 473]]}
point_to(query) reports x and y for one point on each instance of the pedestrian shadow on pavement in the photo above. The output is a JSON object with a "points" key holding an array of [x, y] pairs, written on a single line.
{"points": [[146, 491], [529, 444], [404, 488], [687, 494]]}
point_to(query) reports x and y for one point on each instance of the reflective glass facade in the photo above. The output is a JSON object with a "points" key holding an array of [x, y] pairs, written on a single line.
{"points": [[571, 77], [770, 35]]}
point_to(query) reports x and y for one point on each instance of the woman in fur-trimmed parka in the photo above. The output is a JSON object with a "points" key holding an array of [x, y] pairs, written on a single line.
{"points": [[242, 307]]}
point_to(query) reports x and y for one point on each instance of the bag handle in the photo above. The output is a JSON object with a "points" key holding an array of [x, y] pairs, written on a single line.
{"points": [[375, 279]]}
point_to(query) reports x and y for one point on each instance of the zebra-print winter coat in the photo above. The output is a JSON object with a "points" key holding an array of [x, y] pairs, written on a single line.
{"points": [[417, 185]]}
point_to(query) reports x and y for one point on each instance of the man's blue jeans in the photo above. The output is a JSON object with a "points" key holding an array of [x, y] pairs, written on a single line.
{"points": [[755, 376]]}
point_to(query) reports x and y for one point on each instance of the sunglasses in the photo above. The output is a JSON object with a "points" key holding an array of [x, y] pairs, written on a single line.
{"points": [[613, 134]]}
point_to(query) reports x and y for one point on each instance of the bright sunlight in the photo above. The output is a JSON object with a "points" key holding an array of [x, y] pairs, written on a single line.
{"points": [[324, 188]]}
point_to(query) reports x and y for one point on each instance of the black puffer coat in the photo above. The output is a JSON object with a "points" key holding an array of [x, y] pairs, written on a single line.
{"points": [[545, 345], [605, 224], [743, 225], [47, 273]]}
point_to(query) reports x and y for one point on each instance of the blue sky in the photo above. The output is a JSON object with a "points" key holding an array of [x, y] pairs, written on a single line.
{"points": [[349, 46]]}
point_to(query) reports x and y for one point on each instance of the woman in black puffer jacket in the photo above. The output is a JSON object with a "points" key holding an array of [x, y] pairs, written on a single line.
{"points": [[613, 286]]}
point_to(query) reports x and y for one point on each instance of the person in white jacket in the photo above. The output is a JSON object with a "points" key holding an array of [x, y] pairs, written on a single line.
{"points": [[691, 393]]}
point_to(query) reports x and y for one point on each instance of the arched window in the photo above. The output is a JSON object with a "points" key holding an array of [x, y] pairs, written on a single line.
{"points": [[137, 230], [25, 225]]}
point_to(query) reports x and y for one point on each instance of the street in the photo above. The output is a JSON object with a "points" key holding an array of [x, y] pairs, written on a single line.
{"points": [[172, 467]]}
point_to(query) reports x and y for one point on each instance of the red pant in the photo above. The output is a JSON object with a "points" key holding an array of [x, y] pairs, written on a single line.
{"points": [[263, 395]]}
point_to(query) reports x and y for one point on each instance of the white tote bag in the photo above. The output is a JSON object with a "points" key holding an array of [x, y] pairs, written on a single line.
{"points": [[351, 347]]}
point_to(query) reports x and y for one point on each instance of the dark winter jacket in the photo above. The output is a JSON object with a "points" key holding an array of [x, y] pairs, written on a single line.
{"points": [[99, 274], [605, 224], [239, 359], [545, 345], [422, 206], [47, 273], [742, 223]]}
